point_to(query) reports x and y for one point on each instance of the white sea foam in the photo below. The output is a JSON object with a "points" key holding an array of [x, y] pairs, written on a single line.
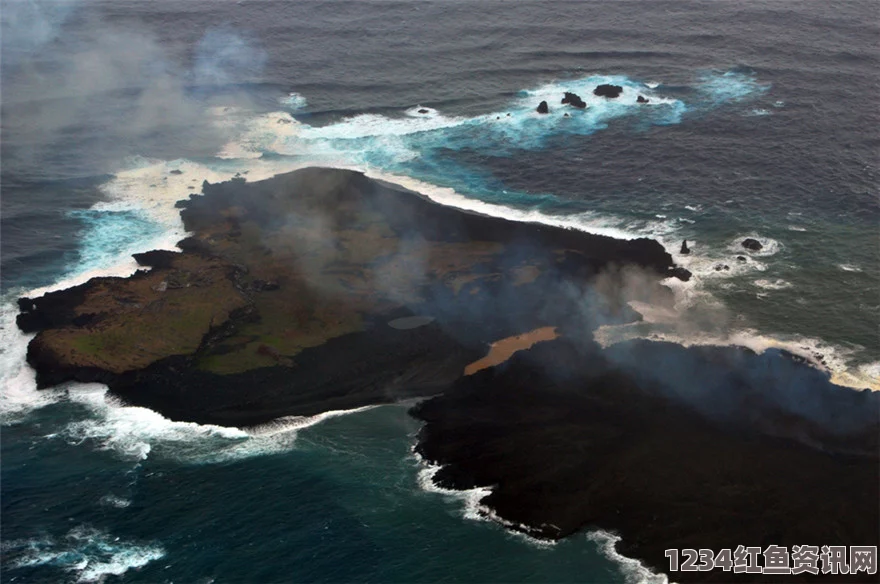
{"points": [[19, 395], [89, 553], [769, 246], [287, 424], [473, 508], [133, 432], [471, 498], [836, 360], [796, 228], [631, 90], [633, 571], [136, 433], [730, 86], [111, 500], [703, 263], [777, 284], [588, 222], [293, 100], [422, 111], [363, 138], [849, 267], [373, 125]]}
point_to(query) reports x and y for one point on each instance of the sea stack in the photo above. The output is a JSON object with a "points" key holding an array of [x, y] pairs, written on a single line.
{"points": [[752, 244], [607, 90], [543, 108], [684, 247], [642, 99], [574, 100]]}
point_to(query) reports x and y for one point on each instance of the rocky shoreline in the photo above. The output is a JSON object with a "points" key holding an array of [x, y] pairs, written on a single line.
{"points": [[568, 438], [324, 290], [290, 283]]}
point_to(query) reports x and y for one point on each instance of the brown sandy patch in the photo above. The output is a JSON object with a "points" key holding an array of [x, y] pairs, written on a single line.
{"points": [[501, 351], [525, 274]]}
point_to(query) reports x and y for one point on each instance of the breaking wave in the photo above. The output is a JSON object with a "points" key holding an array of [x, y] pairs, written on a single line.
{"points": [[88, 553], [633, 571], [473, 509]]}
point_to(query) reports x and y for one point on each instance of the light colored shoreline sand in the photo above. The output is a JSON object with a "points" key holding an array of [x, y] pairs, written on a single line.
{"points": [[500, 351]]}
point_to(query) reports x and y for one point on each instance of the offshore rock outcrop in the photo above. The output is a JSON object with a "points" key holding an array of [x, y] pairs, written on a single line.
{"points": [[752, 244], [608, 90], [574, 100]]}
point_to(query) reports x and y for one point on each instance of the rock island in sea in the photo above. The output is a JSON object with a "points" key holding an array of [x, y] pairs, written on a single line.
{"points": [[324, 290]]}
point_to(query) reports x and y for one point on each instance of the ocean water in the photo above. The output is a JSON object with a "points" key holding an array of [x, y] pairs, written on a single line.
{"points": [[760, 124]]}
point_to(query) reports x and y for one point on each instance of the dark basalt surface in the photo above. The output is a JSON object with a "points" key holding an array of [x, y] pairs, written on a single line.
{"points": [[668, 447], [608, 90], [280, 301], [752, 244], [574, 100]]}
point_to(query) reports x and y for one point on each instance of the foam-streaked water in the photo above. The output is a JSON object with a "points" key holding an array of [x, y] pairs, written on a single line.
{"points": [[757, 127]]}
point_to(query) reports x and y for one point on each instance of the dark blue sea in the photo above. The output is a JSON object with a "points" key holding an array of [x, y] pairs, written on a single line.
{"points": [[762, 122]]}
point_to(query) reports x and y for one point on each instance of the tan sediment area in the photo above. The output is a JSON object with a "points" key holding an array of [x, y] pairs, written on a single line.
{"points": [[501, 351]]}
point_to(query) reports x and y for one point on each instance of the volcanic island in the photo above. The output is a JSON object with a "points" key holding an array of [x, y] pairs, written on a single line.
{"points": [[323, 289]]}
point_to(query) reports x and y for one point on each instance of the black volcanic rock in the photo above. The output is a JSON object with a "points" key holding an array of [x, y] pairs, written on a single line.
{"points": [[543, 108], [684, 247], [682, 274], [666, 446], [741, 258], [155, 259], [423, 111], [752, 244], [642, 99], [241, 328], [49, 310], [608, 90], [574, 100]]}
